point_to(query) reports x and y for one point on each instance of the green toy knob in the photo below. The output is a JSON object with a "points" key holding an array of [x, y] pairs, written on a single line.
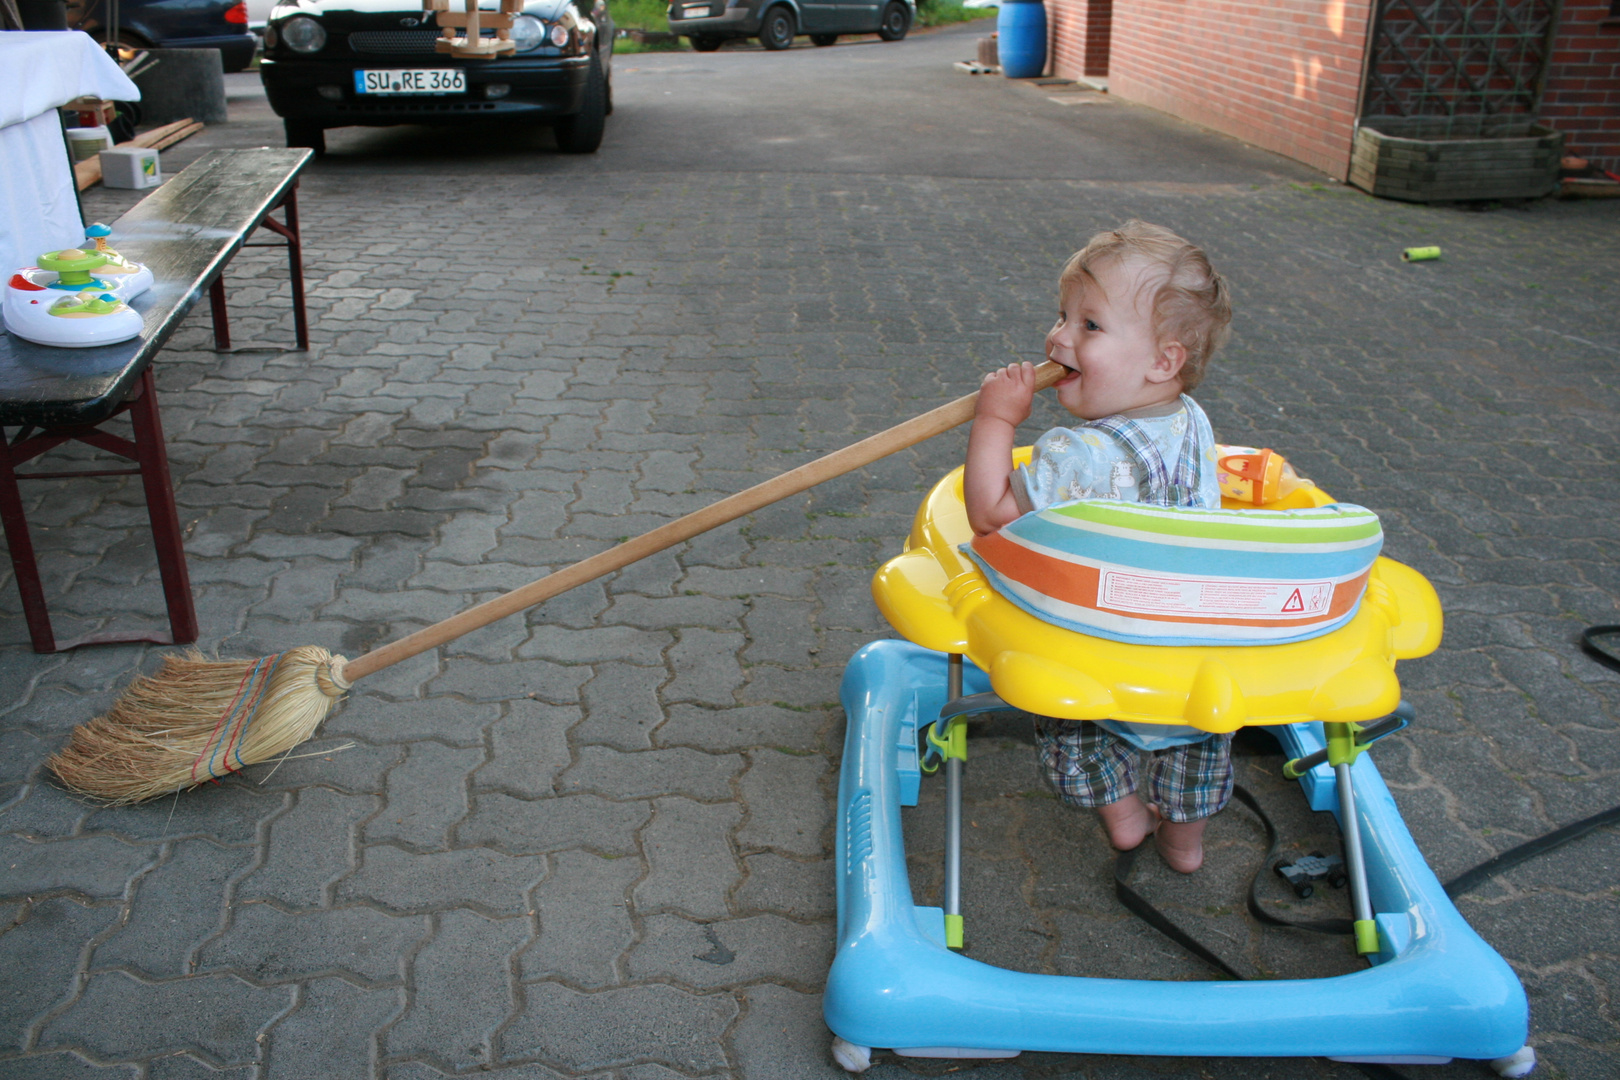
{"points": [[72, 265]]}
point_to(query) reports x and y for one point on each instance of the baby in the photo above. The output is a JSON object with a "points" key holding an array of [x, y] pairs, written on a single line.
{"points": [[1140, 313]]}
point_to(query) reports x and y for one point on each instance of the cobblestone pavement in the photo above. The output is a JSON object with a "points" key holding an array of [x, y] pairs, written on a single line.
{"points": [[594, 840]]}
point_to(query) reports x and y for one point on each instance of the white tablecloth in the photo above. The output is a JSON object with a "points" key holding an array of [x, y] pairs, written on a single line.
{"points": [[41, 70]]}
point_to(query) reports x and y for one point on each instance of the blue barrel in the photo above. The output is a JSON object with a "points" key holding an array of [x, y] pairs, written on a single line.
{"points": [[1021, 41]]}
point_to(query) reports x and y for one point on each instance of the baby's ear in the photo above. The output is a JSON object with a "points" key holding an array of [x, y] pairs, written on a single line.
{"points": [[1168, 364]]}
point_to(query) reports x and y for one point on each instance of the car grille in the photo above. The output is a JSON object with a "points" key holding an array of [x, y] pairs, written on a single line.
{"points": [[394, 42]]}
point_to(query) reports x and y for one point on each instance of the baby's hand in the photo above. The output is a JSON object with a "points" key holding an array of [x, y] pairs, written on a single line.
{"points": [[1007, 394]]}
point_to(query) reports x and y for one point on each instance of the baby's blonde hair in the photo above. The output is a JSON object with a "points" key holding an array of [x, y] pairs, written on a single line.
{"points": [[1192, 303]]}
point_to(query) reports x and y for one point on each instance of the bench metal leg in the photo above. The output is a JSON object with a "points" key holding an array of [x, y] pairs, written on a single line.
{"points": [[150, 455]]}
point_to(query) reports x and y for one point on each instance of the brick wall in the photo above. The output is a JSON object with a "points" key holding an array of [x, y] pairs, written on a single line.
{"points": [[1582, 95], [1282, 74], [1078, 33]]}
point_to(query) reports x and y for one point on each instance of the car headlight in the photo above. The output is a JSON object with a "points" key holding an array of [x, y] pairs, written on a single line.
{"points": [[303, 34], [528, 32], [559, 35]]}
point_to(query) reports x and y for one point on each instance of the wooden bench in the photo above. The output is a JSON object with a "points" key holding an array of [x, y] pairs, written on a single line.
{"points": [[187, 231]]}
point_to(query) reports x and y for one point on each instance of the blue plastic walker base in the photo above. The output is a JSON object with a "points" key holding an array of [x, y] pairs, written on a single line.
{"points": [[1435, 989]]}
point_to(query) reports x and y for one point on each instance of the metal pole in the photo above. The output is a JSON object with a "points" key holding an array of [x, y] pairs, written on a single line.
{"points": [[953, 821], [1355, 863]]}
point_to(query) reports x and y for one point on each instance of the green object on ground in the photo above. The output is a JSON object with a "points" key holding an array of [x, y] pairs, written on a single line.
{"points": [[1420, 254]]}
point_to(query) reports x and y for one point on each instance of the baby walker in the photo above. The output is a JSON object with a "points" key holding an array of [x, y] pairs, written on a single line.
{"points": [[77, 298], [1217, 619]]}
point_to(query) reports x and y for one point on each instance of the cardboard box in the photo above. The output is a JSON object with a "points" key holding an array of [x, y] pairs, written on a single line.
{"points": [[130, 167]]}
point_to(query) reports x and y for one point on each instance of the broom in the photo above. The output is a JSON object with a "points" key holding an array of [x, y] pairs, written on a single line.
{"points": [[197, 719]]}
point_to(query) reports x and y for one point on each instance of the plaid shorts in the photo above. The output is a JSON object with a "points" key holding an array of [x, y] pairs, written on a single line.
{"points": [[1088, 766]]}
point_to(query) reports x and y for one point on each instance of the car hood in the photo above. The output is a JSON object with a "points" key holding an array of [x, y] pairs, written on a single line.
{"points": [[542, 8]]}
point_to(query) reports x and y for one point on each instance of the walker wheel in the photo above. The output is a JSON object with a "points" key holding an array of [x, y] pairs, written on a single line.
{"points": [[851, 1058], [1522, 1062]]}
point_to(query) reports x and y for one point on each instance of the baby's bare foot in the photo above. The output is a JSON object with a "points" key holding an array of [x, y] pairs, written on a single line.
{"points": [[1181, 844], [1128, 821]]}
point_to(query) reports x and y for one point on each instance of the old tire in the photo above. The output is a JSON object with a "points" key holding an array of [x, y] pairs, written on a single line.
{"points": [[705, 42], [305, 133], [582, 132], [777, 30], [823, 40], [896, 21]]}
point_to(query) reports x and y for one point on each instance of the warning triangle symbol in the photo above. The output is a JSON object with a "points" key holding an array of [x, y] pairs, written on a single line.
{"points": [[1295, 602]]}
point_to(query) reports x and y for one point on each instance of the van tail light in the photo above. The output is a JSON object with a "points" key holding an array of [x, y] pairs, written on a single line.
{"points": [[238, 14]]}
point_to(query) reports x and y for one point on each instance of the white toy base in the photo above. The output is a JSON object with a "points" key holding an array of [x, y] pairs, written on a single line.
{"points": [[27, 308]]}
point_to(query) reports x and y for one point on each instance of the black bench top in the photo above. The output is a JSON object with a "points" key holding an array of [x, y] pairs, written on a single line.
{"points": [[186, 231]]}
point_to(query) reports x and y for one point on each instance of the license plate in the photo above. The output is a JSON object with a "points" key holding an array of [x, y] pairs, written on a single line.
{"points": [[411, 81], [695, 11]]}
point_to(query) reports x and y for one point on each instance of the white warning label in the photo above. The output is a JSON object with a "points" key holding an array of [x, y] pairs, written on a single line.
{"points": [[1170, 594]]}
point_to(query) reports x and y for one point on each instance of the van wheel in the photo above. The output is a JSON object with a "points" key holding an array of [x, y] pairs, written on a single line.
{"points": [[305, 133], [823, 39], [896, 21], [705, 42], [778, 30]]}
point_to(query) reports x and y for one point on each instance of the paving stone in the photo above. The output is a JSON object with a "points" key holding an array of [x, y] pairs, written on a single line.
{"points": [[98, 867], [595, 645], [581, 1032], [783, 1037], [740, 727], [227, 813], [463, 987], [119, 1016], [788, 809], [45, 935], [584, 918], [415, 1070], [176, 906], [269, 945], [378, 719], [524, 826], [801, 890], [330, 1032], [474, 877], [648, 773], [186, 1067], [310, 847], [706, 668], [65, 1066], [478, 681], [621, 706], [529, 748], [425, 796], [731, 951], [345, 764], [693, 865]]}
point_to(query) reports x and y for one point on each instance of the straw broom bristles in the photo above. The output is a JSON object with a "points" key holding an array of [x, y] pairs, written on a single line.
{"points": [[199, 719]]}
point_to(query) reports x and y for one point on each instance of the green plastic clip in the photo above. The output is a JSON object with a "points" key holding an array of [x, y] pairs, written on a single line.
{"points": [[953, 745], [953, 932], [1366, 937]]}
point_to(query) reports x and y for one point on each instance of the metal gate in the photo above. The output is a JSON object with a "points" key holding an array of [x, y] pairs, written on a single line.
{"points": [[1458, 67]]}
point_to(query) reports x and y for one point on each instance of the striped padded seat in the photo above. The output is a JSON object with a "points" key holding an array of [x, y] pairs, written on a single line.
{"points": [[1158, 575]]}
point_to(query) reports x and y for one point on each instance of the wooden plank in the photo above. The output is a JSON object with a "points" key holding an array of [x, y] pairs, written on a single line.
{"points": [[87, 173]]}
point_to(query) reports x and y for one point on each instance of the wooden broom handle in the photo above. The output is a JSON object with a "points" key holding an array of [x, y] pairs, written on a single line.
{"points": [[730, 508]]}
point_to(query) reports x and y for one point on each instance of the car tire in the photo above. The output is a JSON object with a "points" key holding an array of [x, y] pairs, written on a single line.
{"points": [[582, 132], [823, 40], [705, 42], [305, 133], [896, 21], [777, 30]]}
